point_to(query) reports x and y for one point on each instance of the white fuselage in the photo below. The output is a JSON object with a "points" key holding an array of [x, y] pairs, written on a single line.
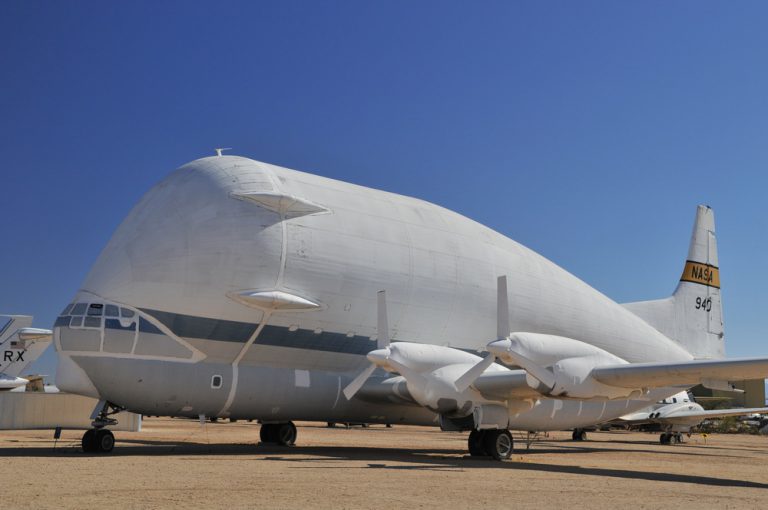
{"points": [[196, 244]]}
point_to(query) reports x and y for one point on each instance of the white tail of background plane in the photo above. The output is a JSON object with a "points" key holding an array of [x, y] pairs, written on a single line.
{"points": [[20, 344], [693, 315]]}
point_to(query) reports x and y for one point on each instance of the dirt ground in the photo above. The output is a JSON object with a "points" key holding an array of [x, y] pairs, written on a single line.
{"points": [[181, 463]]}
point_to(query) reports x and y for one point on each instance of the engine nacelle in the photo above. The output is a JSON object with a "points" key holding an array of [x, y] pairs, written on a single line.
{"points": [[430, 372], [561, 367], [573, 380], [546, 350], [426, 358]]}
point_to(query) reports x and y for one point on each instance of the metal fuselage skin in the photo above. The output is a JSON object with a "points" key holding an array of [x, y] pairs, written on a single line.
{"points": [[168, 335]]}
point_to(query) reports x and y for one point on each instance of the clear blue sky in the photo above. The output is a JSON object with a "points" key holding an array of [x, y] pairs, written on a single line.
{"points": [[588, 131]]}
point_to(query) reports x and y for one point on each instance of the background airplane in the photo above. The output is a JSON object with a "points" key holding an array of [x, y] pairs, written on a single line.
{"points": [[678, 414], [20, 345]]}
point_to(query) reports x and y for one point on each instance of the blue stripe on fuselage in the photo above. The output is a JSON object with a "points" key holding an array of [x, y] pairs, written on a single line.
{"points": [[189, 326]]}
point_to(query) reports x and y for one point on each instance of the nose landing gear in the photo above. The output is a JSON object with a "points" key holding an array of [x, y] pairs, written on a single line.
{"points": [[99, 439]]}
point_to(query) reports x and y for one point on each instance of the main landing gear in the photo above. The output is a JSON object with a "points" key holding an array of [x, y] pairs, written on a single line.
{"points": [[671, 438], [283, 434], [579, 435], [490, 443], [99, 439]]}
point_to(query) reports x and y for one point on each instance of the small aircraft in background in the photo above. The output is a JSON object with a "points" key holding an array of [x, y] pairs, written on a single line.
{"points": [[675, 415], [20, 345], [678, 414]]}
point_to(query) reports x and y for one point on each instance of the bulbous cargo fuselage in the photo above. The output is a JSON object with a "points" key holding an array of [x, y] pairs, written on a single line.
{"points": [[238, 288]]}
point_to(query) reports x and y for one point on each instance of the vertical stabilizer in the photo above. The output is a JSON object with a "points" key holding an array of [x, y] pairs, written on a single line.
{"points": [[698, 307], [693, 315], [20, 344]]}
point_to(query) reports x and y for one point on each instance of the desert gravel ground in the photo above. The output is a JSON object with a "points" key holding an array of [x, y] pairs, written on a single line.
{"points": [[174, 463]]}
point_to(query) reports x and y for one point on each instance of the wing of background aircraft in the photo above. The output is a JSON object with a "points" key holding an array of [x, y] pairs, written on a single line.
{"points": [[693, 416]]}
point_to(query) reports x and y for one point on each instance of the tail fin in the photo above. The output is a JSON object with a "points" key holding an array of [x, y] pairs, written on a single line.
{"points": [[20, 345], [693, 315]]}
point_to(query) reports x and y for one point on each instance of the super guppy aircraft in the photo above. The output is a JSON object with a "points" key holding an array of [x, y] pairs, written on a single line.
{"points": [[240, 289]]}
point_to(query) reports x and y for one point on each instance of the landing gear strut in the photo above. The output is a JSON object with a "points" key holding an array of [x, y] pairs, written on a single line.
{"points": [[490, 443], [579, 435], [99, 439], [283, 434]]}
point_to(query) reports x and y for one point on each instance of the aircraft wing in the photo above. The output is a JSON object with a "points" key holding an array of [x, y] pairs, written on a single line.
{"points": [[717, 413], [644, 417], [655, 375]]}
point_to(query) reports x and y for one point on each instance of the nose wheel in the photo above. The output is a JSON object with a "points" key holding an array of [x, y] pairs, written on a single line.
{"points": [[497, 444], [98, 441]]}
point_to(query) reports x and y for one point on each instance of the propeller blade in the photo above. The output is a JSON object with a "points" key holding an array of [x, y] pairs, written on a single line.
{"points": [[502, 308], [380, 355], [382, 327], [463, 382], [357, 383]]}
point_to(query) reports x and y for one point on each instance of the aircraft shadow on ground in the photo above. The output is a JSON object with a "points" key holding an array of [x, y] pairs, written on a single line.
{"points": [[378, 458], [693, 448]]}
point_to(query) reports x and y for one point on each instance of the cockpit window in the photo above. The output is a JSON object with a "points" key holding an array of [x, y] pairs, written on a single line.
{"points": [[124, 312], [92, 322], [111, 311], [67, 309], [96, 309], [79, 309]]}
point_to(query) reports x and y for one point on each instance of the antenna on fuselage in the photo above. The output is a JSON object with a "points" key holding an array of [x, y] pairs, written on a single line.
{"points": [[220, 150]]}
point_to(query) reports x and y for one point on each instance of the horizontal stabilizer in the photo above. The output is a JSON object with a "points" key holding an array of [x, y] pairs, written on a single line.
{"points": [[656, 375]]}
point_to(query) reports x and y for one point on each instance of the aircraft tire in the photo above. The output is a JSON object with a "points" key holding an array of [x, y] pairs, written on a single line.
{"points": [[665, 438], [285, 434], [267, 433], [579, 435], [89, 441], [475, 443], [498, 444], [104, 441]]}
